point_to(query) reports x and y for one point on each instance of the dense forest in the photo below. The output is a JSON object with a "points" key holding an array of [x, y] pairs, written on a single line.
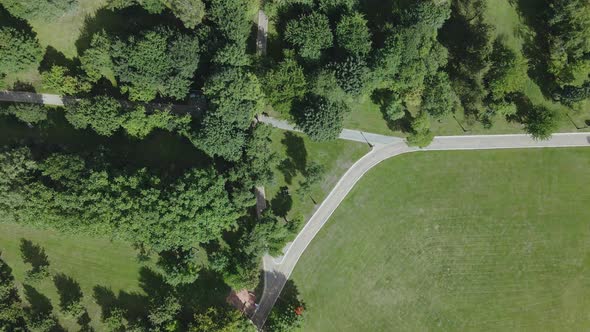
{"points": [[189, 68]]}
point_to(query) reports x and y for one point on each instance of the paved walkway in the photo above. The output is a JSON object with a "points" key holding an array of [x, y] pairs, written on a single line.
{"points": [[278, 270], [57, 100], [262, 35], [346, 134]]}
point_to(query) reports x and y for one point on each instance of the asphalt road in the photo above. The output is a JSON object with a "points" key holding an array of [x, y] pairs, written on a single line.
{"points": [[278, 270]]}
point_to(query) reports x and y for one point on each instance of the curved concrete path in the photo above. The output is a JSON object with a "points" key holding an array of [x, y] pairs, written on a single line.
{"points": [[278, 270]]}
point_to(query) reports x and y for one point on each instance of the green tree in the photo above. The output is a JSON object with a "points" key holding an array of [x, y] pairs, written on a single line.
{"points": [[421, 135], [101, 113], [353, 35], [28, 113], [330, 6], [39, 9], [220, 319], [159, 61], [311, 34], [569, 41], [163, 313], [235, 97], [508, 73], [139, 124], [180, 266], [18, 51], [231, 19], [232, 55], [352, 74], [12, 315], [322, 119], [190, 12], [540, 122], [284, 84], [58, 80], [96, 61], [439, 97]]}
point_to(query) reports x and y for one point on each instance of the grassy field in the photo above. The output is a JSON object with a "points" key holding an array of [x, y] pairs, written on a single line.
{"points": [[295, 151], [90, 261], [456, 241]]}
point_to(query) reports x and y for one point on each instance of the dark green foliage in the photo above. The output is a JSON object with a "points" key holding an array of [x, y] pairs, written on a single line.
{"points": [[39, 9], [57, 79], [353, 35], [235, 97], [12, 316], [102, 114], [322, 119], [268, 235], [159, 61], [18, 51], [96, 61], [508, 73], [180, 266], [28, 113], [470, 55], [220, 319], [569, 41], [284, 84], [541, 122], [135, 206], [232, 55], [351, 74], [310, 34], [395, 109], [190, 12], [330, 6], [421, 135], [230, 18], [572, 94], [163, 313], [439, 98]]}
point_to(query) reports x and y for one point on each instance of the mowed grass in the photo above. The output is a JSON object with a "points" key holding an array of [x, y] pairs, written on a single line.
{"points": [[456, 241], [91, 261]]}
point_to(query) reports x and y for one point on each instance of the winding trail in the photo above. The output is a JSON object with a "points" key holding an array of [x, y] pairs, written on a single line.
{"points": [[278, 270]]}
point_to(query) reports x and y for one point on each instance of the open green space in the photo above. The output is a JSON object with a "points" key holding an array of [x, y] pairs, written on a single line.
{"points": [[90, 261], [456, 241]]}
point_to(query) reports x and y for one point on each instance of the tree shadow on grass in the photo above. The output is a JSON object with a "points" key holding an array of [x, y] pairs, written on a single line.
{"points": [[33, 254], [68, 289], [282, 203], [296, 160], [39, 303], [53, 57]]}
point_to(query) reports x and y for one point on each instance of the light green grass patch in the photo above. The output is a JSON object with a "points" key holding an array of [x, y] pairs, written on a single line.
{"points": [[456, 241]]}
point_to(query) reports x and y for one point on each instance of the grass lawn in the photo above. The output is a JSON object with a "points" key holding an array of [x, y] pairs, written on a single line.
{"points": [[63, 32], [90, 261], [295, 151], [456, 241]]}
